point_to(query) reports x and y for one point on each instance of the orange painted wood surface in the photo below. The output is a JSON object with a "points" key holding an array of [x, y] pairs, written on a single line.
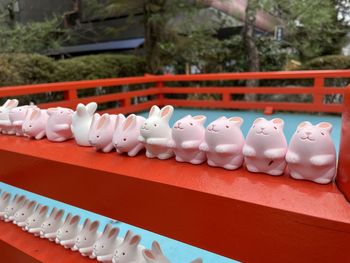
{"points": [[245, 216], [17, 246]]}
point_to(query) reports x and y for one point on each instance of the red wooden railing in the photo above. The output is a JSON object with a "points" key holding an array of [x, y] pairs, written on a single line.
{"points": [[162, 86]]}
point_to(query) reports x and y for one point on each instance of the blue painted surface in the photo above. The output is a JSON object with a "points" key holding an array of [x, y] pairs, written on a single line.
{"points": [[177, 251]]}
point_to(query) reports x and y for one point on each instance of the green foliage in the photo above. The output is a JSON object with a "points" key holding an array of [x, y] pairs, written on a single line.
{"points": [[328, 62], [99, 66], [33, 37]]}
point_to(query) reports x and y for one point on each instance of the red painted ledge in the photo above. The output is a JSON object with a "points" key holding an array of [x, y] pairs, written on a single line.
{"points": [[245, 216], [17, 246]]}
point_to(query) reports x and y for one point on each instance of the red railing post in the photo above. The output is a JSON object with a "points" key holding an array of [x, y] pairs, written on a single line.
{"points": [[343, 176], [160, 86], [317, 92]]}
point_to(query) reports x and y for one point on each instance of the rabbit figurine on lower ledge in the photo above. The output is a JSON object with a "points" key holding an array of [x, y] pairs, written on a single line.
{"points": [[50, 226], [23, 213], [311, 153], [85, 240], [129, 251], [67, 233], [104, 247], [17, 202], [155, 133], [34, 221]]}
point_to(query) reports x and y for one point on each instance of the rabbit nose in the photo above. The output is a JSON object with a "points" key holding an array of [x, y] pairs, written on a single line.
{"points": [[308, 133]]}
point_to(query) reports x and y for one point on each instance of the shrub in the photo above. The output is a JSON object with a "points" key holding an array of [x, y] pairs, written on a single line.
{"points": [[328, 62]]}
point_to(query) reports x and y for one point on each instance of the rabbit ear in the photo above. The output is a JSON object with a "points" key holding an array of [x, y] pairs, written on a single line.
{"points": [[304, 124], [68, 218], [198, 260], [119, 120], [10, 104], [43, 209], [156, 248], [278, 121], [130, 122], [34, 114], [106, 229], [259, 120], [74, 220], [51, 111], [200, 119], [87, 223], [148, 255], [94, 226], [5, 196], [103, 121], [80, 109], [154, 112], [127, 236], [166, 112], [20, 199], [91, 108], [59, 214], [135, 240], [31, 204], [236, 120], [113, 233], [326, 126], [53, 212]]}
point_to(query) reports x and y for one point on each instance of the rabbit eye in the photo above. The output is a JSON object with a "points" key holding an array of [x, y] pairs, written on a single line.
{"points": [[124, 139], [275, 127], [33, 220], [123, 253], [49, 225], [227, 126], [322, 133], [191, 123], [155, 125], [84, 238], [12, 208], [97, 136], [102, 246], [22, 214], [66, 231], [20, 109], [61, 112], [30, 126]]}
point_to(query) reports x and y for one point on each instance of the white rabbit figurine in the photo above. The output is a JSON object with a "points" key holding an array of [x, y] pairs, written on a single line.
{"points": [[101, 132], [4, 202], [155, 255], [5, 123], [104, 247], [129, 250], [13, 207], [17, 116], [50, 226], [23, 213], [34, 125], [34, 221], [85, 240], [67, 233], [81, 122], [127, 131], [187, 134], [156, 133]]}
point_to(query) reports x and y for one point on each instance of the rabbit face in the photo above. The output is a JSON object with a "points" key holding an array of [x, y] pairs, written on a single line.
{"points": [[12, 208], [88, 235], [24, 212], [36, 219], [263, 127], [69, 229], [19, 113], [125, 137], [34, 122], [101, 132], [127, 251], [189, 128], [224, 130], [107, 242], [313, 134], [157, 124], [60, 115], [51, 224]]}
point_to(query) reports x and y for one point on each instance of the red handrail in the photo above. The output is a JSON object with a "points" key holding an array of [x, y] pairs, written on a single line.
{"points": [[160, 91]]}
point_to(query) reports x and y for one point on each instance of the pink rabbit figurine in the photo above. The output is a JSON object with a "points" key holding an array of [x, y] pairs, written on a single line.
{"points": [[129, 250], [58, 127], [266, 147], [101, 132], [17, 116], [155, 255], [155, 133], [126, 134], [224, 142], [187, 134], [34, 125], [311, 153], [5, 123]]}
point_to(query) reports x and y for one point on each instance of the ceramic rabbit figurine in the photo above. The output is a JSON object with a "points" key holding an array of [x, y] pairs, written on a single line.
{"points": [[155, 133], [34, 125], [155, 255], [13, 207], [101, 132], [129, 250], [58, 127], [84, 242], [4, 202], [104, 247], [67, 233], [34, 221], [311, 153], [187, 134], [81, 122], [50, 226], [5, 123], [17, 116], [224, 142], [266, 147], [23, 213], [126, 134]]}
